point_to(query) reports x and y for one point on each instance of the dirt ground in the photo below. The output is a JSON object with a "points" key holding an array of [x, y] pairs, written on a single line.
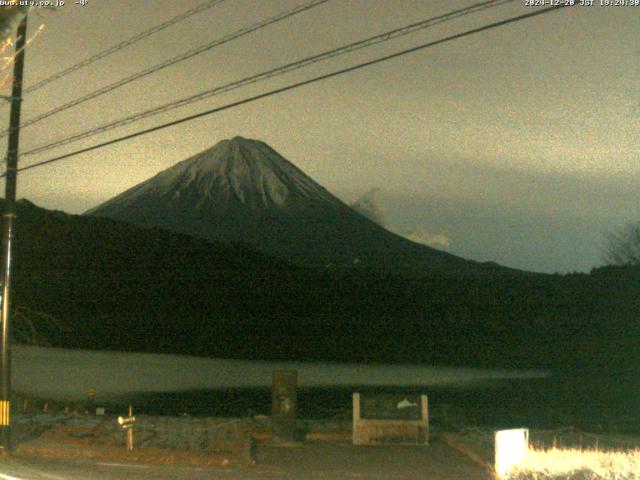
{"points": [[308, 461], [73, 448]]}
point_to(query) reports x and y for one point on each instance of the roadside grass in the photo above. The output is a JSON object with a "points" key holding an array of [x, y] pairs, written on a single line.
{"points": [[578, 464]]}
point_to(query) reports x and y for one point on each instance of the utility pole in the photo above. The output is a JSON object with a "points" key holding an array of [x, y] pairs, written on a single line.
{"points": [[7, 236]]}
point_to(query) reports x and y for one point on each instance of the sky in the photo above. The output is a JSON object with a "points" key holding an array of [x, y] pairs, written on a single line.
{"points": [[517, 145]]}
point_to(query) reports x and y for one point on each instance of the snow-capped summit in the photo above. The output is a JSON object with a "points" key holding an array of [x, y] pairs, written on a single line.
{"points": [[236, 173], [240, 172], [243, 190]]}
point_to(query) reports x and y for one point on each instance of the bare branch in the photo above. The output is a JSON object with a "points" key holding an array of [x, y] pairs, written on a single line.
{"points": [[624, 246]]}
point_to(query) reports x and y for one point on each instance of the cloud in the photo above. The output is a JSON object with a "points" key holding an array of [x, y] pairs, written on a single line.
{"points": [[418, 235], [370, 205]]}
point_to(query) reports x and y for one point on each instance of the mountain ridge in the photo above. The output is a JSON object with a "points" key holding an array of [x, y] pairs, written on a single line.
{"points": [[113, 285]]}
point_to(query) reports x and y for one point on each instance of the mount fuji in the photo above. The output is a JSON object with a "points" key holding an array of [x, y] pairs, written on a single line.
{"points": [[242, 190]]}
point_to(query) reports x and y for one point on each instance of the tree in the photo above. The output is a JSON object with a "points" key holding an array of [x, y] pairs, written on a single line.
{"points": [[10, 17], [624, 246]]}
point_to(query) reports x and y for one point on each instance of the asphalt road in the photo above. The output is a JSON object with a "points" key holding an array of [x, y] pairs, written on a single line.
{"points": [[316, 461]]}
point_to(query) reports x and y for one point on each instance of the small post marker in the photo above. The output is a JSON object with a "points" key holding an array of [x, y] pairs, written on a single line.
{"points": [[91, 400], [251, 449], [284, 405], [127, 424]]}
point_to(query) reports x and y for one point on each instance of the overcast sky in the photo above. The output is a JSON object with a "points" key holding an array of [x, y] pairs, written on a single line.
{"points": [[517, 145]]}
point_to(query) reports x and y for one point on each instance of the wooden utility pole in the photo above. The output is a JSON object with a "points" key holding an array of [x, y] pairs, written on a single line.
{"points": [[7, 236]]}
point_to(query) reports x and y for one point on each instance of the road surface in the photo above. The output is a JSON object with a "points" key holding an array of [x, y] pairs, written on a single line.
{"points": [[311, 461]]}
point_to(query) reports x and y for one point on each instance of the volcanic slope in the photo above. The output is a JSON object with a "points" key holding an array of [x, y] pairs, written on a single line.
{"points": [[242, 190]]}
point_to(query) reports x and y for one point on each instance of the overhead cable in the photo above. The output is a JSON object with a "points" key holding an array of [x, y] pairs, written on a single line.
{"points": [[180, 58], [296, 85], [124, 44], [368, 42]]}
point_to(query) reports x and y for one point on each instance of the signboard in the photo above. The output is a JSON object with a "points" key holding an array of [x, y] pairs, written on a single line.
{"points": [[511, 447], [390, 407], [284, 405], [400, 419]]}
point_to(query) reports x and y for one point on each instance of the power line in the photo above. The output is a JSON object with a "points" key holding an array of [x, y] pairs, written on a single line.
{"points": [[376, 39], [126, 43], [294, 86], [180, 58]]}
